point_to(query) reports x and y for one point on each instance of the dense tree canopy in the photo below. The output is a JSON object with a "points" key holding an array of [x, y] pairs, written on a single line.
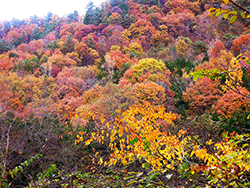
{"points": [[135, 93]]}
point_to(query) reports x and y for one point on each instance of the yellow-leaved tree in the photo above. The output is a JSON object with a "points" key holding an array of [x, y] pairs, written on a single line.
{"points": [[140, 134]]}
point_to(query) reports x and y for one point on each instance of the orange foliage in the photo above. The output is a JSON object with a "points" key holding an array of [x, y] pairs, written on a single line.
{"points": [[33, 46], [121, 58], [202, 95], [115, 59], [102, 104], [222, 61], [67, 30], [232, 102], [181, 23], [19, 94], [60, 61], [180, 5], [92, 94], [142, 30], [145, 92], [85, 73], [160, 37], [6, 63], [217, 47], [128, 77], [68, 105], [240, 44], [86, 54], [205, 66], [9, 100]]}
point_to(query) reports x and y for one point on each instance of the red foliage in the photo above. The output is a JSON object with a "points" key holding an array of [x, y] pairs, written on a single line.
{"points": [[135, 9], [206, 27], [92, 41], [55, 71], [82, 31]]}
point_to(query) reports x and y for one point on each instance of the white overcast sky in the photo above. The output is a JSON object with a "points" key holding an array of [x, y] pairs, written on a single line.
{"points": [[22, 9]]}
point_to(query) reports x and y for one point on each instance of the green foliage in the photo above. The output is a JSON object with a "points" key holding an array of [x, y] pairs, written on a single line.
{"points": [[5, 46], [53, 45], [199, 47], [237, 122], [180, 64], [20, 168], [36, 34], [17, 171], [101, 72], [246, 79], [47, 173], [93, 15], [205, 58], [178, 86], [149, 2], [212, 74], [73, 17], [52, 177], [122, 4], [154, 50], [228, 36], [13, 55], [68, 46], [127, 20], [27, 65]]}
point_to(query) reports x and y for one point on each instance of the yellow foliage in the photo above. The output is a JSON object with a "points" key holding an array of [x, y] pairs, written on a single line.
{"points": [[234, 76], [181, 47], [134, 48], [140, 137], [226, 161], [148, 65], [114, 48], [125, 34]]}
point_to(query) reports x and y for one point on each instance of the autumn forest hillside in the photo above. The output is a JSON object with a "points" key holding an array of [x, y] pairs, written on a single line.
{"points": [[135, 93]]}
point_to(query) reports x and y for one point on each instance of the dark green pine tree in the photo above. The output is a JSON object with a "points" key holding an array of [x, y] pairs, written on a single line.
{"points": [[93, 15]]}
